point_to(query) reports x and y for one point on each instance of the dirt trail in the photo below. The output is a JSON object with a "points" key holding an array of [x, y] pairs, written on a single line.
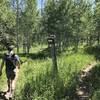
{"points": [[83, 89], [3, 94]]}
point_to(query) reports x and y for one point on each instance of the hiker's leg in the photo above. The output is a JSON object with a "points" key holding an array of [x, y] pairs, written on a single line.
{"points": [[8, 82], [11, 86], [10, 92], [8, 79], [13, 81]]}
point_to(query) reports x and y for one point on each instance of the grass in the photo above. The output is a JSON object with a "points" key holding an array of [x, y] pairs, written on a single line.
{"points": [[2, 79], [95, 80], [96, 95], [37, 83]]}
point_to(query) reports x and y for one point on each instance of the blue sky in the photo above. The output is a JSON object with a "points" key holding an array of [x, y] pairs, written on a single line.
{"points": [[39, 3]]}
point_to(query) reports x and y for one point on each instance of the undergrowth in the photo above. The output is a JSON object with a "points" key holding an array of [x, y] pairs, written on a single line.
{"points": [[37, 83]]}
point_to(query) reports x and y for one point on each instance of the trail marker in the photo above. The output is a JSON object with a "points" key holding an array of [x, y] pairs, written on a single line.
{"points": [[51, 45]]}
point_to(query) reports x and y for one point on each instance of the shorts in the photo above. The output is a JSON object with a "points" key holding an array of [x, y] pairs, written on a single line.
{"points": [[11, 74]]}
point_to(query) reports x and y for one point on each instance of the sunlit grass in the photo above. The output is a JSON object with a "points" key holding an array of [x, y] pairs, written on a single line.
{"points": [[36, 82], [3, 80]]}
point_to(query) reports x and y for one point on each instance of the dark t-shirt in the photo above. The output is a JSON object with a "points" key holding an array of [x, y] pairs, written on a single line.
{"points": [[10, 61]]}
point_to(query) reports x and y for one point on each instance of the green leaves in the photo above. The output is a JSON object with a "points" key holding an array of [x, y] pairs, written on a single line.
{"points": [[7, 20]]}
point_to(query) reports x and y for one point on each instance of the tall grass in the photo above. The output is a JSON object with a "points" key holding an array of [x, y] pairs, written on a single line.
{"points": [[3, 80], [36, 82]]}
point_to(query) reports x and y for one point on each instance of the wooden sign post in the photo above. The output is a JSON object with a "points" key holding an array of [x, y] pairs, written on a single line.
{"points": [[51, 45]]}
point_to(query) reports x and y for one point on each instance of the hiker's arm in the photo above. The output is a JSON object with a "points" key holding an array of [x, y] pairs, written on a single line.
{"points": [[1, 67], [18, 62]]}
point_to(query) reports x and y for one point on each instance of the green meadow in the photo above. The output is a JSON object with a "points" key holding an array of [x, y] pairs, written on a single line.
{"points": [[37, 82]]}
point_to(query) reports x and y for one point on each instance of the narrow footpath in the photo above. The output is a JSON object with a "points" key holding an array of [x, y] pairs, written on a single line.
{"points": [[6, 95], [83, 89]]}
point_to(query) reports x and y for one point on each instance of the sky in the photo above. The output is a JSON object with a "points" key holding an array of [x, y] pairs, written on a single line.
{"points": [[39, 3]]}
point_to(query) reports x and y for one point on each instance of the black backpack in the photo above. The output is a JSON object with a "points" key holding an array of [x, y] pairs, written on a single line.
{"points": [[10, 61]]}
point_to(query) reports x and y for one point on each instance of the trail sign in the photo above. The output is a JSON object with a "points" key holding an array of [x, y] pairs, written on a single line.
{"points": [[51, 40], [51, 44]]}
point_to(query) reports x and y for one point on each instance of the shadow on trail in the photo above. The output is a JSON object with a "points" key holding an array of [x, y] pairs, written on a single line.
{"points": [[40, 55], [43, 54], [94, 50], [2, 95]]}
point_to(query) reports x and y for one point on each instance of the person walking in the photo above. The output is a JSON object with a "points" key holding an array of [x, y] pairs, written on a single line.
{"points": [[12, 63]]}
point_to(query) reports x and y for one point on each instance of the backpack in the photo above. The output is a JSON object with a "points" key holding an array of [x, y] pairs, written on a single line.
{"points": [[10, 61]]}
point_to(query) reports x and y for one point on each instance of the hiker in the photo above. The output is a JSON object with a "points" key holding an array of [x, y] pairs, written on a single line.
{"points": [[12, 63]]}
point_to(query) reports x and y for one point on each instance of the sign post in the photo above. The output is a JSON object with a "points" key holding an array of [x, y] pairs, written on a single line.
{"points": [[51, 45]]}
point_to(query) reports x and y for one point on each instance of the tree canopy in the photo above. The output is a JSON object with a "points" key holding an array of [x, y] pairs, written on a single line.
{"points": [[23, 22]]}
